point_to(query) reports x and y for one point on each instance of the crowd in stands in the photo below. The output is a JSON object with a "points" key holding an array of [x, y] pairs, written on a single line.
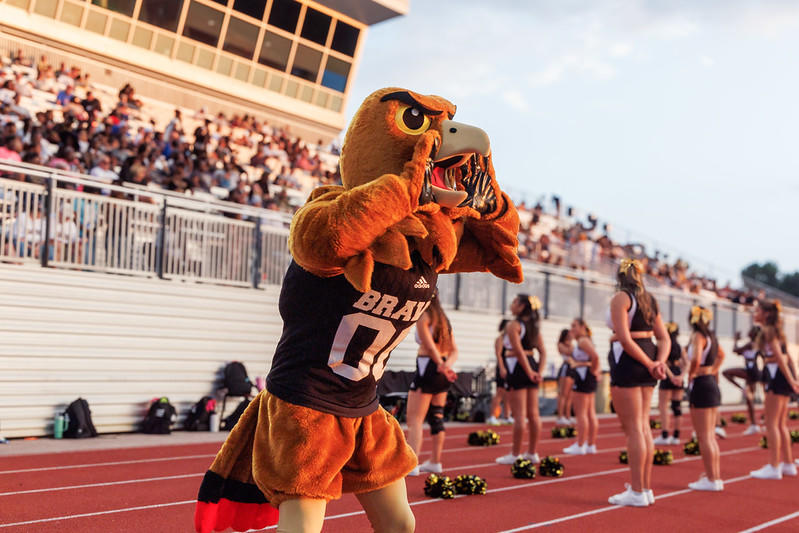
{"points": [[58, 118], [560, 237]]}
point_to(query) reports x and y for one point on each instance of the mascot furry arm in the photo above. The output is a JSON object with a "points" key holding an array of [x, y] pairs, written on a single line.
{"points": [[412, 180], [418, 195]]}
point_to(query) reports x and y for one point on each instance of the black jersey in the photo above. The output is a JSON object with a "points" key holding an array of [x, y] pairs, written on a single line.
{"points": [[676, 352], [336, 340]]}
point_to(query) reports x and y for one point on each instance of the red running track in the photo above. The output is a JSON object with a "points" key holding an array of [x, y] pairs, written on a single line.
{"points": [[153, 490]]}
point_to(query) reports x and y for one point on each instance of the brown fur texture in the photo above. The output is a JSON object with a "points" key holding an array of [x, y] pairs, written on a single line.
{"points": [[375, 215], [274, 440]]}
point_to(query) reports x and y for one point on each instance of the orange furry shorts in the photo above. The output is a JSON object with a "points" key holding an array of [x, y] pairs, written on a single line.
{"points": [[290, 451]]}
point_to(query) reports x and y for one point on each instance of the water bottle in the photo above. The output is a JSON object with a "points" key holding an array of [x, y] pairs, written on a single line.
{"points": [[214, 422], [58, 426]]}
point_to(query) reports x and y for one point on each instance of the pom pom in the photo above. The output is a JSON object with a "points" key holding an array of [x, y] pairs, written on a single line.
{"points": [[763, 442], [794, 436], [564, 432], [654, 424], [793, 415], [662, 457], [723, 421], [436, 486], [551, 467], [623, 458], [468, 484], [483, 438], [691, 447], [738, 418], [523, 469]]}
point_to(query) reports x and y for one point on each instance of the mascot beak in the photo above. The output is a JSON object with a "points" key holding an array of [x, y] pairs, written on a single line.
{"points": [[458, 143]]}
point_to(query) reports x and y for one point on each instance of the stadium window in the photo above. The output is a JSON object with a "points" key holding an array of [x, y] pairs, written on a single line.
{"points": [[345, 38], [335, 74], [240, 38], [203, 23], [316, 26], [306, 63], [120, 6], [46, 8], [161, 13], [284, 14], [275, 51], [71, 14], [253, 8]]}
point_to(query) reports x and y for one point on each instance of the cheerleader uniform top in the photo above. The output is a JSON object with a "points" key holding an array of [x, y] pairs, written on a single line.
{"points": [[750, 355], [708, 354], [635, 318], [435, 341], [581, 357], [507, 349], [674, 354]]}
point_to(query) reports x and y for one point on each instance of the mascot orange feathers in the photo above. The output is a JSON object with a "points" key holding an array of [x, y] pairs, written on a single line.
{"points": [[419, 198]]}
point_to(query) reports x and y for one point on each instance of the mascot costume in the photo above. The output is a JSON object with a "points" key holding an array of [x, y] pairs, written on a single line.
{"points": [[419, 198]]}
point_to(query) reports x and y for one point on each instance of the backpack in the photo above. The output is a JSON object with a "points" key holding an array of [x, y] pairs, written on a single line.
{"points": [[159, 417], [233, 418], [199, 416], [79, 423], [236, 380]]}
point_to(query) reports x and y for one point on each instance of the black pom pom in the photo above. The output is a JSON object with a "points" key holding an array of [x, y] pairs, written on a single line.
{"points": [[551, 467], [483, 438], [691, 447], [564, 432], [794, 436], [793, 415], [523, 469], [469, 484], [623, 458], [654, 424], [738, 418], [763, 442], [436, 486], [663, 457]]}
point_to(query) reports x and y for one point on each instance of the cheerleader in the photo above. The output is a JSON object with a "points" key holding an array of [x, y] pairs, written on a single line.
{"points": [[585, 372], [523, 336], [635, 366], [704, 359], [750, 373], [670, 391], [427, 393], [499, 403], [565, 381], [780, 384]]}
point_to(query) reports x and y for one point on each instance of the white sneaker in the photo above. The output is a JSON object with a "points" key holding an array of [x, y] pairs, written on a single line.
{"points": [[721, 432], [507, 459], [572, 421], [509, 420], [532, 457], [575, 449], [752, 430], [433, 468], [662, 440], [705, 484], [674, 441], [590, 449], [788, 469], [796, 461], [767, 472], [492, 421], [629, 498], [650, 496], [561, 421], [414, 472]]}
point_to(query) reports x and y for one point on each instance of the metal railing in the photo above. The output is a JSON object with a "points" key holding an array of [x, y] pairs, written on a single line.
{"points": [[172, 236]]}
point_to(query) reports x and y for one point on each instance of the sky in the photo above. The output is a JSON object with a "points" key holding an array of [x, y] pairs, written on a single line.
{"points": [[675, 121]]}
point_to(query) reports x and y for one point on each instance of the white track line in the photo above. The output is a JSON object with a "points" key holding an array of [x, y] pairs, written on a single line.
{"points": [[609, 508], [105, 484], [110, 463], [770, 523], [356, 513], [98, 513]]}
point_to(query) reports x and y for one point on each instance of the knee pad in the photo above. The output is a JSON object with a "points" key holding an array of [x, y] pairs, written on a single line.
{"points": [[435, 417], [676, 408]]}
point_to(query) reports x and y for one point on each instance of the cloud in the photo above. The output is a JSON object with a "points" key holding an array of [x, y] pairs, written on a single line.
{"points": [[516, 100]]}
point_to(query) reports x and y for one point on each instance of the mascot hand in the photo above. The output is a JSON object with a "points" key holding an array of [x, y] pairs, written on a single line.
{"points": [[419, 170], [481, 185]]}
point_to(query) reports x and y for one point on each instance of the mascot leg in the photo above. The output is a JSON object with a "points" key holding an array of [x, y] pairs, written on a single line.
{"points": [[387, 509], [301, 515]]}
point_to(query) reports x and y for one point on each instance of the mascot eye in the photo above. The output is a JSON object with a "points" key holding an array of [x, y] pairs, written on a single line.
{"points": [[411, 121]]}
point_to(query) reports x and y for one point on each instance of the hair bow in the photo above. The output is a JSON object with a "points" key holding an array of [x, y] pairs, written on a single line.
{"points": [[671, 327], [700, 314], [626, 264], [535, 303]]}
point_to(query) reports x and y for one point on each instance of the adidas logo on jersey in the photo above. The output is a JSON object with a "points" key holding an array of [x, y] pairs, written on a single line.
{"points": [[421, 284]]}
